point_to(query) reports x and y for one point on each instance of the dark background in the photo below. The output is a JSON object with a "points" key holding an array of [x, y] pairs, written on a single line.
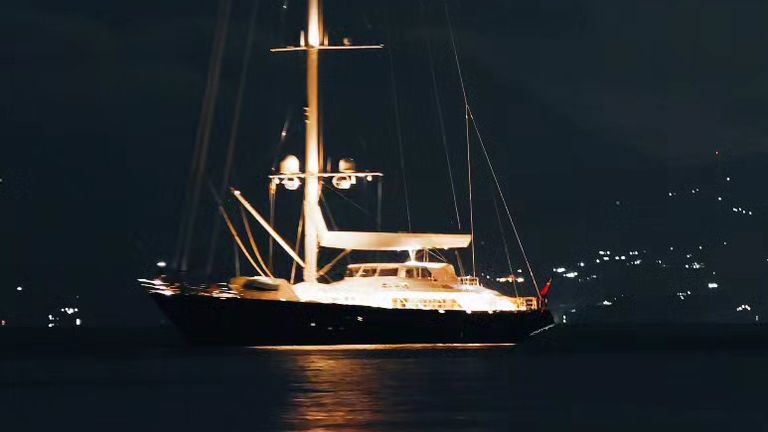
{"points": [[592, 112]]}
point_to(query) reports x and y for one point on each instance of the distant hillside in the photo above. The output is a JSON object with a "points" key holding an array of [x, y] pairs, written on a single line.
{"points": [[686, 244]]}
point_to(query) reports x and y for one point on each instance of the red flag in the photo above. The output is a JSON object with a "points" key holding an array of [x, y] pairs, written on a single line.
{"points": [[545, 290]]}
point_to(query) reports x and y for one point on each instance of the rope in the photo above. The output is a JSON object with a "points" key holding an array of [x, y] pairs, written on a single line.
{"points": [[252, 241], [237, 238], [438, 105], [435, 253], [202, 139], [273, 187], [504, 201], [503, 237], [468, 115], [233, 131], [323, 271], [469, 153], [379, 191], [277, 150], [298, 245], [233, 231], [399, 133], [506, 246], [458, 260], [328, 212], [272, 197], [237, 258], [359, 207]]}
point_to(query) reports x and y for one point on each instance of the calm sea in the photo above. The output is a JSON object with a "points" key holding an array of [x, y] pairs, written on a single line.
{"points": [[645, 378]]}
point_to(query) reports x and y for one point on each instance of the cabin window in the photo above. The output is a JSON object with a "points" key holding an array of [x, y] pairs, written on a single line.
{"points": [[418, 273], [388, 272], [367, 272], [351, 272]]}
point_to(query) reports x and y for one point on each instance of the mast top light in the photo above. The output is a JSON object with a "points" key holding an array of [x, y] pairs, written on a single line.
{"points": [[347, 165], [290, 165]]}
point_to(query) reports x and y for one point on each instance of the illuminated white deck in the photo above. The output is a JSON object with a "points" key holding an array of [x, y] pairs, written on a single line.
{"points": [[411, 285]]}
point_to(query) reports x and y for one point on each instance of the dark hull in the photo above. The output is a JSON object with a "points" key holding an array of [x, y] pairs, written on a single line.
{"points": [[245, 322]]}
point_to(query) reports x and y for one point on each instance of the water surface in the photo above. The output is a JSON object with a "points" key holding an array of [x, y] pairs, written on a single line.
{"points": [[575, 379]]}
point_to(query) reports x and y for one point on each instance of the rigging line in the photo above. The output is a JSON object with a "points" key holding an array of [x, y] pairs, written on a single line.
{"points": [[182, 229], [458, 261], [437, 255], [272, 197], [204, 129], [398, 129], [501, 231], [237, 258], [298, 244], [335, 227], [323, 271], [504, 202], [232, 231], [458, 64], [379, 192], [466, 120], [239, 242], [283, 11], [233, 133], [283, 137], [471, 205], [273, 187], [439, 108], [254, 246], [361, 208], [272, 232], [331, 219], [379, 187], [328, 212]]}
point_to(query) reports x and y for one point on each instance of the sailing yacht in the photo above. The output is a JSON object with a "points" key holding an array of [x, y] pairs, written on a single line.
{"points": [[415, 301]]}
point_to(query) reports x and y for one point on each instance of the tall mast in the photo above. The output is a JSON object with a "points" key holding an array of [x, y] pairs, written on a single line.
{"points": [[311, 159]]}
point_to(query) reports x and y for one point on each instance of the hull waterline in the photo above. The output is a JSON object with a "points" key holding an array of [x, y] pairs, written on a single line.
{"points": [[249, 322]]}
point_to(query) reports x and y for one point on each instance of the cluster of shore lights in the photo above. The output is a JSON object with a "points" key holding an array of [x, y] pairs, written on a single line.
{"points": [[631, 258], [734, 209], [747, 308], [290, 174], [510, 278], [565, 272], [606, 256], [54, 321]]}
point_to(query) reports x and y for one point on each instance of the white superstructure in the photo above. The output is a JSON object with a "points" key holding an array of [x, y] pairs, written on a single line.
{"points": [[409, 285]]}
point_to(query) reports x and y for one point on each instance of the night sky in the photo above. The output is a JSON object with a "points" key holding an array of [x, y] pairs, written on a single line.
{"points": [[581, 104]]}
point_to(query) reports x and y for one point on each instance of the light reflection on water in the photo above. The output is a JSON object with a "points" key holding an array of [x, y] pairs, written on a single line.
{"points": [[337, 391], [437, 388], [386, 387], [500, 388], [372, 347]]}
